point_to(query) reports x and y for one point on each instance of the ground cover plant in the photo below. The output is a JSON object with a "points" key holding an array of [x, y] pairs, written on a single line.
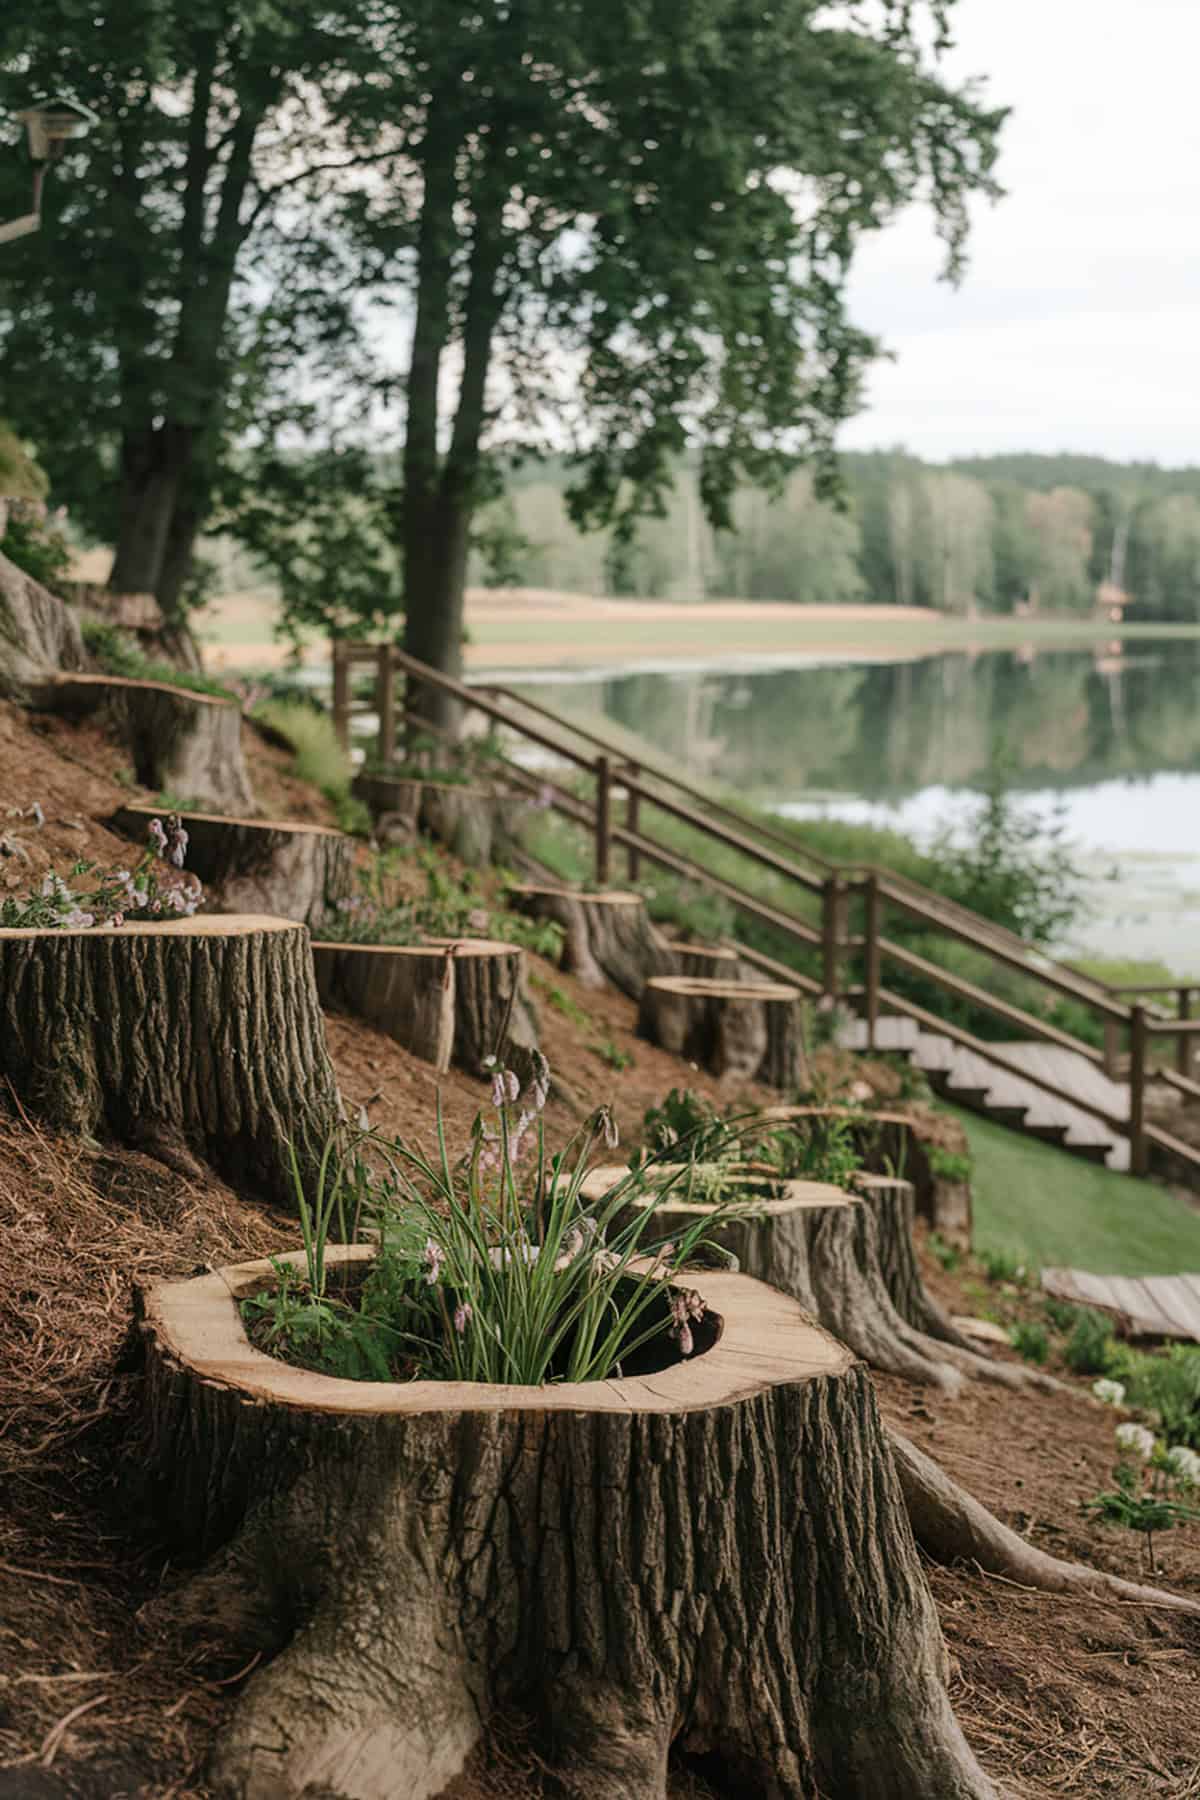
{"points": [[491, 1268], [117, 653], [89, 895], [687, 1127], [383, 909]]}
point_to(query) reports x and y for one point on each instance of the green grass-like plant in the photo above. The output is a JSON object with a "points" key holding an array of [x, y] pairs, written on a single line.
{"points": [[118, 654], [1030, 1341]]}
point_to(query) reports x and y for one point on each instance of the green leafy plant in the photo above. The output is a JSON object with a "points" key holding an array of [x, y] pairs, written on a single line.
{"points": [[37, 548], [1166, 1385], [89, 895], [686, 1120], [949, 1165], [949, 1256], [819, 1148], [562, 1003], [1089, 1349], [494, 1269], [612, 1054], [1003, 1265], [117, 653], [1030, 1341], [1149, 1481]]}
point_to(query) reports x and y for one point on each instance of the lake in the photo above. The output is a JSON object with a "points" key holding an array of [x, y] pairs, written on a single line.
{"points": [[1110, 736]]}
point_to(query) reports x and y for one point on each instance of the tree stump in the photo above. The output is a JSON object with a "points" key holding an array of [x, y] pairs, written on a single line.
{"points": [[750, 1030], [716, 1554], [704, 962], [445, 1002], [904, 1142], [37, 632], [606, 937], [891, 1202], [478, 824], [192, 1038], [181, 742], [820, 1246], [281, 866]]}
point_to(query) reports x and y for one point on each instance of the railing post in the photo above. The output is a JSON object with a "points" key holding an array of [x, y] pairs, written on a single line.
{"points": [[1183, 1043], [385, 702], [1137, 1091], [603, 818], [871, 954], [341, 693], [632, 815], [831, 933], [1112, 1049]]}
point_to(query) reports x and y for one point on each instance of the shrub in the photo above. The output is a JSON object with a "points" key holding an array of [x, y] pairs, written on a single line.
{"points": [[1003, 1265], [949, 1165], [118, 653], [37, 548], [1089, 1349], [1030, 1341], [1167, 1385]]}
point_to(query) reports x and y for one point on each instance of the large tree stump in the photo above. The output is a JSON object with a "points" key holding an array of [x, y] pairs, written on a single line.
{"points": [[458, 1000], [181, 742], [194, 1039], [606, 937], [716, 1554], [479, 824], [37, 632], [815, 1243], [281, 866], [750, 1030]]}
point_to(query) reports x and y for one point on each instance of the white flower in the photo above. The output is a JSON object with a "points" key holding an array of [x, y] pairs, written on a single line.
{"points": [[1137, 1439], [78, 920], [1184, 1464], [1112, 1393]]}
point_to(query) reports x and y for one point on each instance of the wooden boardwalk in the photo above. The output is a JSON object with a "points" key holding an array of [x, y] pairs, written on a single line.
{"points": [[1158, 1306]]}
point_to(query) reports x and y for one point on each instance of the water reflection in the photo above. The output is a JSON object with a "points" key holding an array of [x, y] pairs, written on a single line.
{"points": [[1114, 736]]}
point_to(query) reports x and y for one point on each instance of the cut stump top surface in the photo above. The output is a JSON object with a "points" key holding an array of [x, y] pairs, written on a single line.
{"points": [[124, 683], [701, 987], [610, 896], [439, 947], [765, 1341], [199, 925], [797, 1196], [297, 827]]}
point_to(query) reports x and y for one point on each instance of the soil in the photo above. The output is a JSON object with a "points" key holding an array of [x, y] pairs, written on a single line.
{"points": [[100, 1696]]}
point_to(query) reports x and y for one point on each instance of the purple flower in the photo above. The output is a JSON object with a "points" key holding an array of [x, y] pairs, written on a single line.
{"points": [[78, 920], [607, 1127], [434, 1258], [117, 919], [498, 1089], [177, 840], [512, 1087], [686, 1306], [462, 1317], [157, 836]]}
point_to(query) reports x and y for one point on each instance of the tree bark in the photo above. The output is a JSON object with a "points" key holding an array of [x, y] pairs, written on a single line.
{"points": [[181, 742], [478, 824], [194, 1039], [607, 937], [281, 866], [716, 1554], [702, 962], [38, 634], [744, 1030], [456, 1000], [891, 1202]]}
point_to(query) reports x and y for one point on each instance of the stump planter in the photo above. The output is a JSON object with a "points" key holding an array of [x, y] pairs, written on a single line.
{"points": [[195, 1038], [478, 824], [901, 1141], [281, 866], [716, 1555], [607, 937], [446, 1002], [749, 1030], [180, 741]]}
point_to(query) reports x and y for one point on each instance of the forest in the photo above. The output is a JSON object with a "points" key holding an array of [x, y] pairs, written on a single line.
{"points": [[993, 534]]}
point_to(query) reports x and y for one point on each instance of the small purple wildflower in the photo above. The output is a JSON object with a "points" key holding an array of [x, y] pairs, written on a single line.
{"points": [[512, 1087], [78, 920], [177, 840], [498, 1089], [434, 1258], [157, 836], [686, 1307], [607, 1127], [462, 1317]]}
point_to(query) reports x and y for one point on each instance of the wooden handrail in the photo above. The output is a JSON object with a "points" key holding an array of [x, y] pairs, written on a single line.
{"points": [[977, 996]]}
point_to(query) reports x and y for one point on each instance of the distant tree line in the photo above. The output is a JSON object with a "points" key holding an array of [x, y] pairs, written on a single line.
{"points": [[990, 534]]}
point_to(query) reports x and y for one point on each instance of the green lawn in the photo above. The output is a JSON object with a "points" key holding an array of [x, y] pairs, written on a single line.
{"points": [[1057, 1210]]}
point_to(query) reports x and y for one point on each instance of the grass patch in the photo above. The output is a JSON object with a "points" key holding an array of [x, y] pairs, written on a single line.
{"points": [[1052, 1209], [320, 758], [117, 654]]}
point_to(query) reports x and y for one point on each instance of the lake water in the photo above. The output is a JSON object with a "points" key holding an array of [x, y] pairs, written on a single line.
{"points": [[1109, 737]]}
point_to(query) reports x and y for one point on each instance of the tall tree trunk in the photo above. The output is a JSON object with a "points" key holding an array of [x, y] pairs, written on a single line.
{"points": [[440, 501], [154, 461]]}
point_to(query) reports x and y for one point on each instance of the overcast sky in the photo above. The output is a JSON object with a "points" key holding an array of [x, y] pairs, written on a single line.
{"points": [[1077, 326]]}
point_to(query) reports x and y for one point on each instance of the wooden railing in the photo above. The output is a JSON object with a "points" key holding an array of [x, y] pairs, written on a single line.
{"points": [[810, 901]]}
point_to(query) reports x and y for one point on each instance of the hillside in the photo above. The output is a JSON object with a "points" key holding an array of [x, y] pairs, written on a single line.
{"points": [[105, 1692]]}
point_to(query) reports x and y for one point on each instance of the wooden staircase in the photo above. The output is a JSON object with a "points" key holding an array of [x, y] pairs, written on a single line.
{"points": [[970, 1080]]}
